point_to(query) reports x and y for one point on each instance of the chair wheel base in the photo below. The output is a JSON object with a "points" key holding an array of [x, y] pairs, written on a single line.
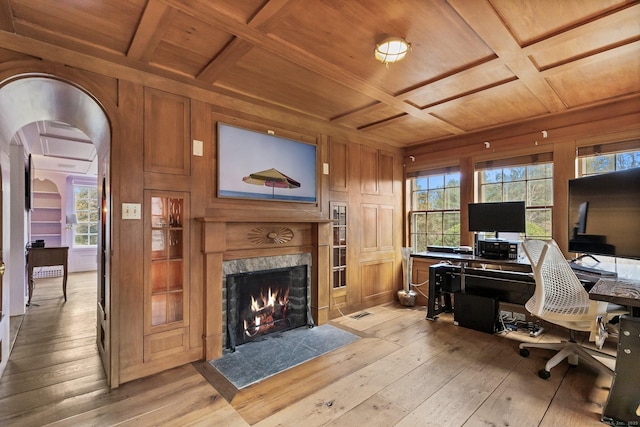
{"points": [[544, 374], [524, 352]]}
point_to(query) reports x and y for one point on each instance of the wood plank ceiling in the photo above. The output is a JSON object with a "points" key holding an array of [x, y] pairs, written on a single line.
{"points": [[474, 64]]}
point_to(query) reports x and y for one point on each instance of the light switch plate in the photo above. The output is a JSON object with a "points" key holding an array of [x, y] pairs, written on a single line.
{"points": [[131, 211], [197, 148]]}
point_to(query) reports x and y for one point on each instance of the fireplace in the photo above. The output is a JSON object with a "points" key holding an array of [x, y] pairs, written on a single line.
{"points": [[240, 244], [265, 301]]}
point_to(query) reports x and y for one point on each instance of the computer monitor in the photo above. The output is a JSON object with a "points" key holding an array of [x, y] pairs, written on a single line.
{"points": [[497, 217], [612, 201]]}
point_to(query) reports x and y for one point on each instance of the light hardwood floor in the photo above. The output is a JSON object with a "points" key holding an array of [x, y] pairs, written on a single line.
{"points": [[404, 371]]}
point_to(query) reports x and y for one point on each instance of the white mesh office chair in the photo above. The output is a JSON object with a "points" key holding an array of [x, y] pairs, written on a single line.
{"points": [[560, 298]]}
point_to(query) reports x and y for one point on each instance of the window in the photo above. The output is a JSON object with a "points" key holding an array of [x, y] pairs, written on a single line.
{"points": [[435, 210], [528, 179], [614, 157], [339, 215], [85, 202]]}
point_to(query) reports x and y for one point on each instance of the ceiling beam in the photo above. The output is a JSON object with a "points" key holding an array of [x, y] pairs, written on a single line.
{"points": [[6, 17], [484, 20], [150, 31]]}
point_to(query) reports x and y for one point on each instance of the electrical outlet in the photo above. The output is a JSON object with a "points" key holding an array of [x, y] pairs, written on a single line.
{"points": [[131, 211], [506, 314]]}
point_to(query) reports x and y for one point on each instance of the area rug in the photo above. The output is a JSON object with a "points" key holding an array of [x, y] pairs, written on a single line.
{"points": [[277, 352]]}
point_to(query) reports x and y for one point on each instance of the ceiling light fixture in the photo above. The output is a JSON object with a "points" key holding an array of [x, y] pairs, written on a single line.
{"points": [[392, 49]]}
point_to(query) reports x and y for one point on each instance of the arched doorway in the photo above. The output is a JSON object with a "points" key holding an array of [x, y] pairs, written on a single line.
{"points": [[25, 99]]}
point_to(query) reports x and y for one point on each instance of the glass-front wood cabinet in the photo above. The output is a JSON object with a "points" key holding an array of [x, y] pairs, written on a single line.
{"points": [[166, 232]]}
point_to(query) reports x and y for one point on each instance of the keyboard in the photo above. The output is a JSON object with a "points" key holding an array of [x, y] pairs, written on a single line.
{"points": [[592, 270]]}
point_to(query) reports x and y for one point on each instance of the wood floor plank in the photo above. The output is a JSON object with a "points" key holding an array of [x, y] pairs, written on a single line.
{"points": [[522, 398], [354, 389], [375, 411], [579, 400], [48, 375], [283, 390], [54, 358], [141, 405], [454, 402], [56, 410], [19, 404]]}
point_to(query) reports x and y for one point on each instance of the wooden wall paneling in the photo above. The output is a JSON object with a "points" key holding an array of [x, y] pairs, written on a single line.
{"points": [[338, 165], [200, 184], [322, 274], [166, 344], [356, 230], [386, 173], [377, 279], [167, 147], [467, 195], [368, 170], [386, 227], [564, 169], [370, 227], [128, 276]]}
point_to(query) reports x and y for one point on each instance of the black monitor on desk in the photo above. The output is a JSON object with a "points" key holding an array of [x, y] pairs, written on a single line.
{"points": [[497, 217]]}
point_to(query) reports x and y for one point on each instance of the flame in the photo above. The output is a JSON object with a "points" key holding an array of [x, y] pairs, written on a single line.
{"points": [[264, 308]]}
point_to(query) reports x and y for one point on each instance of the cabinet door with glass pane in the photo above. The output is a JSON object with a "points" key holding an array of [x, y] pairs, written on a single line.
{"points": [[166, 269]]}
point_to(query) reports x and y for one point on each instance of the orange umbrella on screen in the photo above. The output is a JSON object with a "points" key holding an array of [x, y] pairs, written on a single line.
{"points": [[271, 178]]}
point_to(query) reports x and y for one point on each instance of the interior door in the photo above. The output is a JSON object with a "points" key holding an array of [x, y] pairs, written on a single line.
{"points": [[103, 336], [4, 254]]}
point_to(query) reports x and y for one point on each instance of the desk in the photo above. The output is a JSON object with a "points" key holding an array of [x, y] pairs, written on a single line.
{"points": [[47, 257], [618, 291], [506, 280], [624, 396]]}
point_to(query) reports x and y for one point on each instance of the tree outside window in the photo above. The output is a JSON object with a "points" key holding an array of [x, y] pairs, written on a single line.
{"points": [[435, 211], [85, 200], [603, 163], [532, 184]]}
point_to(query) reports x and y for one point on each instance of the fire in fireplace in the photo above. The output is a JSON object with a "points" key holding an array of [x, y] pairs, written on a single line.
{"points": [[263, 302]]}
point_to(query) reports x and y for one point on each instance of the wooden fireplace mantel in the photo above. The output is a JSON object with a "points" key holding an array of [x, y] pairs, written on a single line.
{"points": [[242, 236]]}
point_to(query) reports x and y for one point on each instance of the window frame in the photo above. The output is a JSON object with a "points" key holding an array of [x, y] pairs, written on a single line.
{"points": [[425, 233], [96, 223], [524, 162]]}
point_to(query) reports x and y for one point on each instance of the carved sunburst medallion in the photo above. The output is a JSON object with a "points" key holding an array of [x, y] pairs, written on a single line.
{"points": [[277, 236]]}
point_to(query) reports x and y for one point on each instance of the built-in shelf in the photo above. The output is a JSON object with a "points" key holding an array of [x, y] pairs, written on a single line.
{"points": [[46, 215]]}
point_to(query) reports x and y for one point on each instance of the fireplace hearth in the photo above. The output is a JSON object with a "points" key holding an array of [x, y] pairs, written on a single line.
{"points": [[266, 301]]}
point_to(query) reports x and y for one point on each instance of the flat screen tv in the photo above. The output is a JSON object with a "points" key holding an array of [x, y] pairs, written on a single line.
{"points": [[497, 217], [611, 202], [261, 165]]}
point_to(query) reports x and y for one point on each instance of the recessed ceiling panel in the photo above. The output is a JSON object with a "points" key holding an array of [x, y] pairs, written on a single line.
{"points": [[189, 44], [507, 103], [107, 24], [270, 78], [534, 20], [68, 166], [614, 74], [56, 147], [403, 130]]}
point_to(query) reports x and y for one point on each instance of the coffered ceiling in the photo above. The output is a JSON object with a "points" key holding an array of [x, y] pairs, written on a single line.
{"points": [[474, 64]]}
